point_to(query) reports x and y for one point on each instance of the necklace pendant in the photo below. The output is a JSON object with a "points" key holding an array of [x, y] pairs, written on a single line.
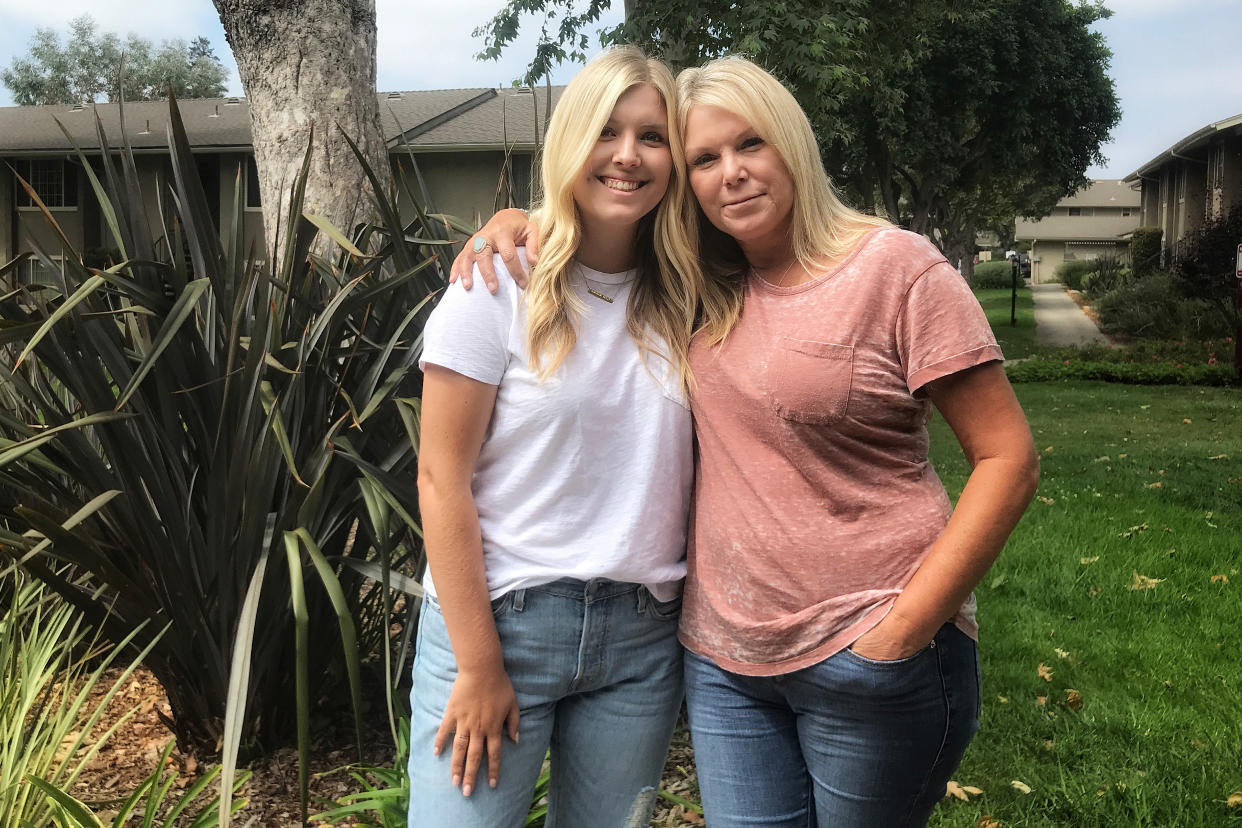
{"points": [[599, 295]]}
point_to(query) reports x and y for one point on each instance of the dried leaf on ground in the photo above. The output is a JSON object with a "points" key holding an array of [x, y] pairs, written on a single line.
{"points": [[1219, 457], [962, 792], [1143, 582], [1046, 500], [1133, 530], [1045, 672], [986, 821], [1073, 699], [1159, 484], [1040, 701], [1186, 420], [1220, 579], [1234, 800], [1019, 785], [1062, 654], [1090, 560]]}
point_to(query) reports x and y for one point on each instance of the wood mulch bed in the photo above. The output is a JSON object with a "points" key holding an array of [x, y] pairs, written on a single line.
{"points": [[131, 754]]}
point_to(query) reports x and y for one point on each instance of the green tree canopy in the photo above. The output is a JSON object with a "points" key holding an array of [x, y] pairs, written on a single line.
{"points": [[947, 115], [86, 68]]}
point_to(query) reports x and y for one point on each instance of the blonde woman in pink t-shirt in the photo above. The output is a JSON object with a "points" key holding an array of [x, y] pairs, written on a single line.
{"points": [[831, 667]]}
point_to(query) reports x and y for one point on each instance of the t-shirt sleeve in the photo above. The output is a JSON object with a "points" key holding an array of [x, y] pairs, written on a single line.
{"points": [[941, 329], [469, 331]]}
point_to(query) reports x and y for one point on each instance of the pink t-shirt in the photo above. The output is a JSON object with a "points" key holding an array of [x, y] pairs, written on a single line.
{"points": [[815, 500]]}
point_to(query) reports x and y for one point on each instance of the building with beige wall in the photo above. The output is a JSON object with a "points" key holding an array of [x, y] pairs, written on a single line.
{"points": [[1197, 179], [473, 149], [1093, 222]]}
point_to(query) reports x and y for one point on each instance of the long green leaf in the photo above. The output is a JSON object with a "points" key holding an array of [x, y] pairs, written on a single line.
{"points": [[182, 309], [81, 294]]}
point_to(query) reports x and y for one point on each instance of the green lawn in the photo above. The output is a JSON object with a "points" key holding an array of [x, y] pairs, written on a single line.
{"points": [[1016, 341], [1136, 479]]}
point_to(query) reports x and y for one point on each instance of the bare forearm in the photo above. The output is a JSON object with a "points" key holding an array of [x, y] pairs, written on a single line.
{"points": [[993, 501], [455, 557]]}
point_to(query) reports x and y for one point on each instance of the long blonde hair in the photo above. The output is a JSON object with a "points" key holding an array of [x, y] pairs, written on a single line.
{"points": [[824, 229], [665, 295]]}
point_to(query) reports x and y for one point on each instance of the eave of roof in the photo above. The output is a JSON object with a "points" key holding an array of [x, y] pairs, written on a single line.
{"points": [[1190, 142]]}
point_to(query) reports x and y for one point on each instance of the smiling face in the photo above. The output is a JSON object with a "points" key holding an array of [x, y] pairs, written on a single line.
{"points": [[740, 180], [627, 173]]}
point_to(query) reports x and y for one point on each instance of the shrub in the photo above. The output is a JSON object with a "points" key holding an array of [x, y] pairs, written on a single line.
{"points": [[1153, 308], [1072, 273], [1204, 262], [225, 448], [1145, 250], [1108, 275], [1045, 369], [992, 275], [49, 665]]}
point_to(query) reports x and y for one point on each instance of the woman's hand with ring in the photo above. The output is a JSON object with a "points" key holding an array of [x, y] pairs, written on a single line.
{"points": [[502, 235]]}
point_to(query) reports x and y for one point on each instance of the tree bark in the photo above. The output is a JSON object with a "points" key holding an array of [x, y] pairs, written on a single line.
{"points": [[309, 64]]}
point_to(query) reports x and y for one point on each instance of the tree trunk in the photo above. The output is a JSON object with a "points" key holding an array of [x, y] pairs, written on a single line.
{"points": [[304, 64]]}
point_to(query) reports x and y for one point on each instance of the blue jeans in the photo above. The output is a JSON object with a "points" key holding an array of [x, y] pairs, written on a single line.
{"points": [[597, 670], [846, 743]]}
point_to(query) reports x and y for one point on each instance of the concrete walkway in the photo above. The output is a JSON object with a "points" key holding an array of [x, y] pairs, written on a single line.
{"points": [[1059, 321]]}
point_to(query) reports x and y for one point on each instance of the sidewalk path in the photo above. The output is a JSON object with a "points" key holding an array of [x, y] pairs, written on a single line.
{"points": [[1059, 321]]}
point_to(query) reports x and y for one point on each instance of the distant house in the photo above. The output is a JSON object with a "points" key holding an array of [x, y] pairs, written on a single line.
{"points": [[1093, 222], [1197, 179], [460, 138]]}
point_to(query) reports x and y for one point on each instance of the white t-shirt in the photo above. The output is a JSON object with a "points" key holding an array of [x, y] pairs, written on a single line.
{"points": [[587, 474]]}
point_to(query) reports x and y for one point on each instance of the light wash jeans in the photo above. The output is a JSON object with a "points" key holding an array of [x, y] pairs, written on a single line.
{"points": [[597, 670], [846, 743]]}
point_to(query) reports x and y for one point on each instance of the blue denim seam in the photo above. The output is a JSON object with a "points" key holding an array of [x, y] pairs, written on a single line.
{"points": [[948, 725]]}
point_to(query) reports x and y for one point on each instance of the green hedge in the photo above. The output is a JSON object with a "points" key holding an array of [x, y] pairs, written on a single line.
{"points": [[1145, 250], [1153, 308], [1072, 274], [992, 275], [1045, 369]]}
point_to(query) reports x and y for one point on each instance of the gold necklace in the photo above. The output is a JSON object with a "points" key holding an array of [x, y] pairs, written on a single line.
{"points": [[781, 279], [597, 294]]}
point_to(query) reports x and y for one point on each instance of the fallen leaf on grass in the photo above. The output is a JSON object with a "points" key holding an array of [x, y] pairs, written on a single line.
{"points": [[1091, 560], [962, 792], [986, 821], [1003, 699], [1019, 785], [1186, 420], [1219, 457], [1234, 800], [1048, 450], [1045, 500], [1062, 654], [1143, 582], [1220, 579], [1040, 701], [1095, 591], [1159, 484], [1073, 699], [1104, 459], [1133, 530], [1045, 672]]}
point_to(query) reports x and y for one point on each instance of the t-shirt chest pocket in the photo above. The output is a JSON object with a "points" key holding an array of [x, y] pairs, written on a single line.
{"points": [[809, 382]]}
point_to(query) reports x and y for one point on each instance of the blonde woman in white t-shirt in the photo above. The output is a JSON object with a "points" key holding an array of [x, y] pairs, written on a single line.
{"points": [[555, 554]]}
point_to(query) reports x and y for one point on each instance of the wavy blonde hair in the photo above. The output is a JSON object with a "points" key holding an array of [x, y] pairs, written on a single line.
{"points": [[824, 229], [665, 296]]}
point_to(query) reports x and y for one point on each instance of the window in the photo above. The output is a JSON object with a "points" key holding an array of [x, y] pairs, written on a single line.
{"points": [[1082, 211], [1127, 211], [252, 183], [53, 179], [36, 272]]}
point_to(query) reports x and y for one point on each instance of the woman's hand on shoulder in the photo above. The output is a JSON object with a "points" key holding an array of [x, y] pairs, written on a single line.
{"points": [[481, 706], [503, 234]]}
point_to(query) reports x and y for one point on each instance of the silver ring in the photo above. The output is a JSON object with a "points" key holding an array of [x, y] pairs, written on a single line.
{"points": [[480, 244]]}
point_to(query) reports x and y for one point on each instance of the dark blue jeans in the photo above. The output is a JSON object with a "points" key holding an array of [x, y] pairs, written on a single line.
{"points": [[846, 743]]}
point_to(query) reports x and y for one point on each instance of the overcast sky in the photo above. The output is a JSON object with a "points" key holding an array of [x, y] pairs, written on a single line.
{"points": [[1177, 63]]}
